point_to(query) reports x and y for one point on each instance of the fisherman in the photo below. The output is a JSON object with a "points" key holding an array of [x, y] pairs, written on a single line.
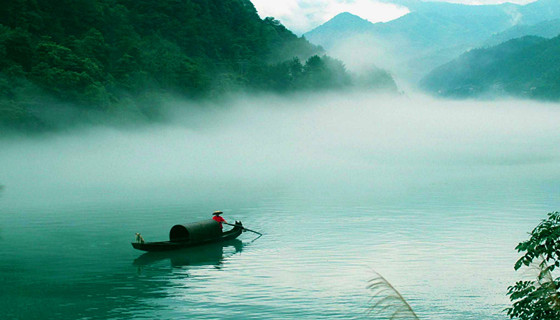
{"points": [[218, 218]]}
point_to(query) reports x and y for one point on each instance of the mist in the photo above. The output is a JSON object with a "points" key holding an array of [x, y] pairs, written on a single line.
{"points": [[335, 145]]}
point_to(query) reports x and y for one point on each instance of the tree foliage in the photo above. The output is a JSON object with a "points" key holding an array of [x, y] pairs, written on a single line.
{"points": [[93, 53], [524, 67], [539, 298]]}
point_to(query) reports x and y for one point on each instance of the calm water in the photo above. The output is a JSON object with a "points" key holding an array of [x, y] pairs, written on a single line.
{"points": [[432, 195]]}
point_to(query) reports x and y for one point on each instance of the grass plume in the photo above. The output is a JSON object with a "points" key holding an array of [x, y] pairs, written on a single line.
{"points": [[387, 301]]}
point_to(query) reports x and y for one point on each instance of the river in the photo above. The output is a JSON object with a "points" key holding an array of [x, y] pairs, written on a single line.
{"points": [[433, 195]]}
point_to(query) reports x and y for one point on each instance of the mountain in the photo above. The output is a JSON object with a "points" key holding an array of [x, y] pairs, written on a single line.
{"points": [[545, 29], [105, 43], [431, 34], [342, 26], [113, 55], [525, 67], [538, 11]]}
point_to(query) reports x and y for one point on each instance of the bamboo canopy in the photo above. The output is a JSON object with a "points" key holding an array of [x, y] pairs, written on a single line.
{"points": [[197, 231]]}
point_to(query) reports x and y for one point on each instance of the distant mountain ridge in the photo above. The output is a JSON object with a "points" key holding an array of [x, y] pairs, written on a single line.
{"points": [[540, 10], [432, 33], [545, 29], [342, 25], [526, 67]]}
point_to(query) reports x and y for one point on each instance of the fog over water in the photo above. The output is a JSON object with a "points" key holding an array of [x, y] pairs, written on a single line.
{"points": [[355, 143], [433, 194]]}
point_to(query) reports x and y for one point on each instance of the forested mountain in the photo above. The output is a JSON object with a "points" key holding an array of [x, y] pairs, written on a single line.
{"points": [[103, 54], [343, 26], [421, 40], [432, 33], [525, 67], [545, 29], [541, 10]]}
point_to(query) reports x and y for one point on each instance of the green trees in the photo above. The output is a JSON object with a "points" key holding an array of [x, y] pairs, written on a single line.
{"points": [[93, 51], [525, 67], [92, 54], [318, 73], [539, 298], [68, 75]]}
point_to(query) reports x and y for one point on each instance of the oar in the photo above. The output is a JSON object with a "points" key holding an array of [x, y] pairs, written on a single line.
{"points": [[242, 227]]}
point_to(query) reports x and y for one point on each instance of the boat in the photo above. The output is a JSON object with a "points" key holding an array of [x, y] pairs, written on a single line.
{"points": [[191, 235], [205, 255]]}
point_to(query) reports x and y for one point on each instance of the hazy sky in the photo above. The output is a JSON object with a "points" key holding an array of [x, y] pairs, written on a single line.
{"points": [[301, 16]]}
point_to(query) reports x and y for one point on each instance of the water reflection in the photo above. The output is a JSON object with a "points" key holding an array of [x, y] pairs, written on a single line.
{"points": [[433, 196], [113, 295], [211, 254]]}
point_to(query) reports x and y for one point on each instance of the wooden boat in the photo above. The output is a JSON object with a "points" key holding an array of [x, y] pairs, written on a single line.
{"points": [[209, 254], [191, 235]]}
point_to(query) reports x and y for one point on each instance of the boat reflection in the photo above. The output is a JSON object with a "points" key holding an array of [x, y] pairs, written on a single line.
{"points": [[211, 254]]}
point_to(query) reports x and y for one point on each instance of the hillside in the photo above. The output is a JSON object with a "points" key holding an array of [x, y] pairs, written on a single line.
{"points": [[545, 29], [541, 10], [526, 67], [342, 26], [431, 34], [105, 56]]}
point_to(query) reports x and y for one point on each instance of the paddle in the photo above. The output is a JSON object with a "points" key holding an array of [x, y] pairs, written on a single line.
{"points": [[242, 227]]}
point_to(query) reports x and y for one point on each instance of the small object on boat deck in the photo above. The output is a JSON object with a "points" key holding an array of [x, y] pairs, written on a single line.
{"points": [[192, 234], [139, 238]]}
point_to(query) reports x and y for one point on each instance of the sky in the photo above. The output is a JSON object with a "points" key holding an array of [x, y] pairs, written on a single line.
{"points": [[301, 16]]}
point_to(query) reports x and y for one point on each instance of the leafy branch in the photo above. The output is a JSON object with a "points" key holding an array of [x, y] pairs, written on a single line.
{"points": [[538, 299]]}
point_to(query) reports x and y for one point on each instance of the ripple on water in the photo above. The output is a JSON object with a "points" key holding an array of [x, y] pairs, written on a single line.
{"points": [[313, 262]]}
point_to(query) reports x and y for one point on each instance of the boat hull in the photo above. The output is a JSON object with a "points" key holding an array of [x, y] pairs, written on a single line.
{"points": [[170, 245]]}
